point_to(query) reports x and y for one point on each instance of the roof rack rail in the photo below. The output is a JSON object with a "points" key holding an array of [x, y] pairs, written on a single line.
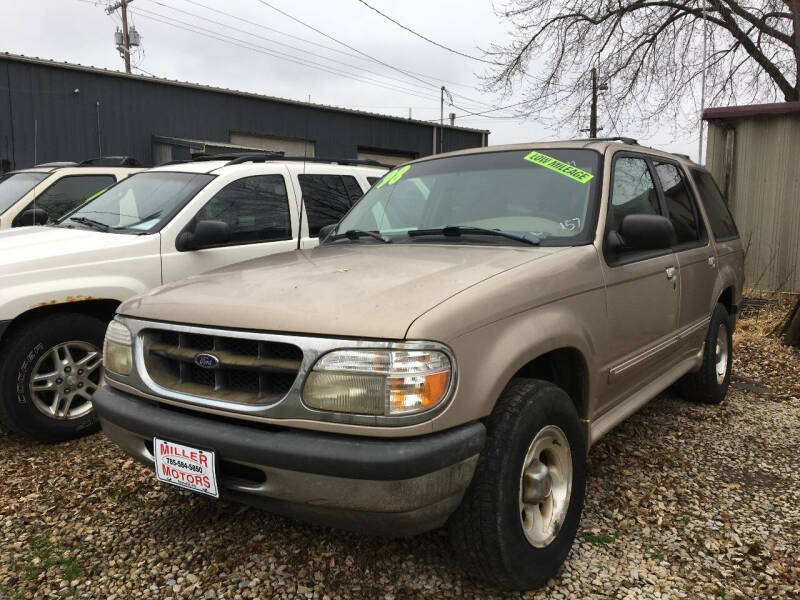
{"points": [[686, 156], [111, 161], [56, 164], [243, 158], [624, 140]]}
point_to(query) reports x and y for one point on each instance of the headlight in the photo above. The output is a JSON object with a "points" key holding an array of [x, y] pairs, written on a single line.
{"points": [[117, 353], [379, 382]]}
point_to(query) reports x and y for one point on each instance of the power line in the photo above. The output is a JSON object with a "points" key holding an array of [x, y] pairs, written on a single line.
{"points": [[268, 40], [274, 53], [427, 39], [377, 60], [304, 40]]}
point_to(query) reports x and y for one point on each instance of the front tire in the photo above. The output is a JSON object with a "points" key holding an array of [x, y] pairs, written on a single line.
{"points": [[519, 517], [50, 368], [709, 384]]}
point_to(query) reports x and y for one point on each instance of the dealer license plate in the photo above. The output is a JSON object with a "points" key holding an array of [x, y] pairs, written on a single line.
{"points": [[186, 467]]}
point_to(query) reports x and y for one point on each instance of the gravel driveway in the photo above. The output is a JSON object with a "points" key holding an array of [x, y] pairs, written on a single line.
{"points": [[683, 501]]}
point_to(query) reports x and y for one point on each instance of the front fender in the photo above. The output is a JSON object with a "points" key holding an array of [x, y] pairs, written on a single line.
{"points": [[489, 357], [18, 299]]}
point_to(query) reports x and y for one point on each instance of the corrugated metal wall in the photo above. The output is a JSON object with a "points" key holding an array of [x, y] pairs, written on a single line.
{"points": [[763, 189], [133, 109]]}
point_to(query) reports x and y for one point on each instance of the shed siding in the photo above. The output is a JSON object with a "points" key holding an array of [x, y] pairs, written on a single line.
{"points": [[133, 109], [763, 194]]}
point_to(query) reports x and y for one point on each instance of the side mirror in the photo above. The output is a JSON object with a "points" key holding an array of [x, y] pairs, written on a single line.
{"points": [[205, 234], [647, 232], [325, 231], [32, 216]]}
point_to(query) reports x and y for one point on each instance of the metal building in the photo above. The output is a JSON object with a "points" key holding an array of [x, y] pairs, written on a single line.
{"points": [[754, 154], [51, 111]]}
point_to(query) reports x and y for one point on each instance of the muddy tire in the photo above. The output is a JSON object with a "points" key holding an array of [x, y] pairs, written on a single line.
{"points": [[48, 371], [519, 517], [709, 384]]}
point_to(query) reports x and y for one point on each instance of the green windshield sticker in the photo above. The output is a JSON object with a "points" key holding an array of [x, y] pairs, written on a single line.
{"points": [[565, 169], [393, 177], [95, 195]]}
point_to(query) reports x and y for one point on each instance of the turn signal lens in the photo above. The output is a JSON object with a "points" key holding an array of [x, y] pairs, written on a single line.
{"points": [[379, 382], [117, 353]]}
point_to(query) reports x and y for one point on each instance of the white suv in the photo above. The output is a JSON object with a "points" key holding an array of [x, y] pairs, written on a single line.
{"points": [[57, 188], [60, 284]]}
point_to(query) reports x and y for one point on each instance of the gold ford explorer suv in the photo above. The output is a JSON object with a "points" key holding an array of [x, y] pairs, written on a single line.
{"points": [[448, 354]]}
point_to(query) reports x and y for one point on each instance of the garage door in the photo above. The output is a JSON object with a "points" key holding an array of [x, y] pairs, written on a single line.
{"points": [[387, 159], [289, 146]]}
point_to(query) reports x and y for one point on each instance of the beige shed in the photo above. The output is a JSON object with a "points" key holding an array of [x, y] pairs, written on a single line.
{"points": [[754, 154]]}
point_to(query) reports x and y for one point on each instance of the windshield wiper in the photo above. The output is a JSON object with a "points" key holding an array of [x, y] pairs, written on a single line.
{"points": [[354, 234], [91, 223], [457, 230]]}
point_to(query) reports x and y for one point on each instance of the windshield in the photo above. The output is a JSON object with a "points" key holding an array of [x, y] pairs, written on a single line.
{"points": [[15, 185], [548, 195], [140, 203]]}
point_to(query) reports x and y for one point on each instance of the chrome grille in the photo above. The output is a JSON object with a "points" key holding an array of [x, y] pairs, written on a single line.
{"points": [[249, 371]]}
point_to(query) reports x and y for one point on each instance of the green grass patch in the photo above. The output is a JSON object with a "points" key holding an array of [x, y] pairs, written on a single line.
{"points": [[602, 538], [45, 554]]}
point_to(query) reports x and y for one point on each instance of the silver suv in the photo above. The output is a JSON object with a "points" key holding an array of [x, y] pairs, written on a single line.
{"points": [[448, 354]]}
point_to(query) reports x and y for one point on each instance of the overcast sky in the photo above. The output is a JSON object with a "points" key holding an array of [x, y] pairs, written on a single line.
{"points": [[257, 50]]}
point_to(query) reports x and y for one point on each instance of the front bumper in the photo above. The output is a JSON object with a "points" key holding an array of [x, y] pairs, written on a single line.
{"points": [[395, 486]]}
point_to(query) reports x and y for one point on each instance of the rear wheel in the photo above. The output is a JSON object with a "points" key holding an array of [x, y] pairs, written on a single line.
{"points": [[709, 384], [50, 369], [520, 515]]}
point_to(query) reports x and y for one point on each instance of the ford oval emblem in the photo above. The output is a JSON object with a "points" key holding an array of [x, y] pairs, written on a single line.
{"points": [[207, 361]]}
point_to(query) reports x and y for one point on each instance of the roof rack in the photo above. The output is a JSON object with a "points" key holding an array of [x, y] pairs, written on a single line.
{"points": [[56, 164], [686, 156], [111, 161], [312, 159], [624, 140]]}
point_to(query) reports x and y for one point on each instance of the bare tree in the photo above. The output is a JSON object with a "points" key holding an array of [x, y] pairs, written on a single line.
{"points": [[650, 54]]}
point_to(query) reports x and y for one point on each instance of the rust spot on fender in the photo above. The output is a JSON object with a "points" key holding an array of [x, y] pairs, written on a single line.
{"points": [[76, 298]]}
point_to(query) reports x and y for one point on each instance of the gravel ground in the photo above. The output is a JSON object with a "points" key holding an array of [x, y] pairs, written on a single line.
{"points": [[683, 501]]}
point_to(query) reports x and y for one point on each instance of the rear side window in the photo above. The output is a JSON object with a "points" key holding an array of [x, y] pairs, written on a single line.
{"points": [[326, 198], [354, 190], [719, 217], [69, 192], [680, 206], [633, 192], [255, 208]]}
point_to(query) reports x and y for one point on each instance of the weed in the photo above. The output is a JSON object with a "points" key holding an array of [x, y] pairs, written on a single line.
{"points": [[602, 538]]}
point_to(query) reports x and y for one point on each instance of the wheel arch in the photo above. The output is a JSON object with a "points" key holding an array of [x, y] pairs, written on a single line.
{"points": [[565, 367], [101, 308]]}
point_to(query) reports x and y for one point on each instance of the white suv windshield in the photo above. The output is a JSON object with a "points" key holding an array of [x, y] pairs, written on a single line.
{"points": [[15, 185], [547, 194], [140, 203]]}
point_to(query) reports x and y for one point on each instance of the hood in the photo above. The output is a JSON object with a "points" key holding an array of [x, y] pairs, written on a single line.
{"points": [[30, 249], [364, 290]]}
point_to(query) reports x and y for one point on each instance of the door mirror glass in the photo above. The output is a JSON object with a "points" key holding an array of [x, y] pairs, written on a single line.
{"points": [[205, 235], [32, 216], [646, 232]]}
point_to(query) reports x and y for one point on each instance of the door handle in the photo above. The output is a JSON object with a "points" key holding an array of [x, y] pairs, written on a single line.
{"points": [[712, 261], [671, 272]]}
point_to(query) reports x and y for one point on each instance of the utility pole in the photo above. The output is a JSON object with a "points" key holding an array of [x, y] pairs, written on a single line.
{"points": [[593, 115], [441, 121], [593, 128], [125, 50]]}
